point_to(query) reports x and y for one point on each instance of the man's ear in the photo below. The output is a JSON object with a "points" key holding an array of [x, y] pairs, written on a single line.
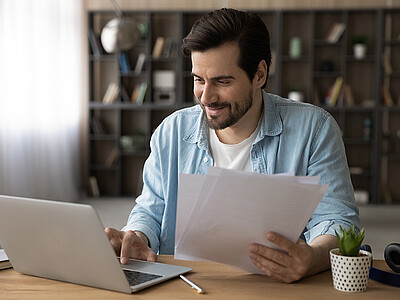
{"points": [[261, 74]]}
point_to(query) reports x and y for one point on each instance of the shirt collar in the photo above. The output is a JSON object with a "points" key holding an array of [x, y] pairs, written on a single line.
{"points": [[271, 124]]}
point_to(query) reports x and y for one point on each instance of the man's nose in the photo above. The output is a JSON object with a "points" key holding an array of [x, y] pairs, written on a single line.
{"points": [[208, 95]]}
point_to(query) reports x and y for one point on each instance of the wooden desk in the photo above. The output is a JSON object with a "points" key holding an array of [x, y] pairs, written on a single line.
{"points": [[219, 281]]}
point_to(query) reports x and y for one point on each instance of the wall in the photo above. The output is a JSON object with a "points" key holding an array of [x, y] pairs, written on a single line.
{"points": [[239, 4]]}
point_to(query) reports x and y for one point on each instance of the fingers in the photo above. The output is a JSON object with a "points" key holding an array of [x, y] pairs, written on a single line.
{"points": [[135, 247], [286, 264], [271, 269], [115, 238], [273, 255], [127, 244], [129, 241], [151, 256], [274, 263], [283, 243]]}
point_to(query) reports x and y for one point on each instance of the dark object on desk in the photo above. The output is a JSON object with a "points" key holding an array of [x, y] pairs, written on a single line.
{"points": [[392, 258]]}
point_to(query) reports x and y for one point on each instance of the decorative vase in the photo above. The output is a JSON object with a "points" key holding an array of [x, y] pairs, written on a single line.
{"points": [[296, 96], [295, 48], [350, 273], [360, 51]]}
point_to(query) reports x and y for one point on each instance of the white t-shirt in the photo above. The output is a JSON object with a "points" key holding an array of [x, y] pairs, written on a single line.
{"points": [[235, 156]]}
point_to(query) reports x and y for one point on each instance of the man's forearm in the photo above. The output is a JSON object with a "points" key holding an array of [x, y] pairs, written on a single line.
{"points": [[322, 245]]}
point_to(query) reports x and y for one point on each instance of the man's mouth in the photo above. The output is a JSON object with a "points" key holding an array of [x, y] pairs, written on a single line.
{"points": [[214, 110]]}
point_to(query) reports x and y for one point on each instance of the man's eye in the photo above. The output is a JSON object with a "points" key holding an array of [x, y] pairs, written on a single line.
{"points": [[222, 82]]}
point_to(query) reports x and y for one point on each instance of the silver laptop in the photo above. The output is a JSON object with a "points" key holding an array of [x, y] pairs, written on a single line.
{"points": [[67, 242]]}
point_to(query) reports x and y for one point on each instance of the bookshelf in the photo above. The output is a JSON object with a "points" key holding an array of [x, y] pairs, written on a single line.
{"points": [[119, 146]]}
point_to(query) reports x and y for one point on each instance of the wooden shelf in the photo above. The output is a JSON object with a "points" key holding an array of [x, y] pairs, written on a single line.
{"points": [[365, 77]]}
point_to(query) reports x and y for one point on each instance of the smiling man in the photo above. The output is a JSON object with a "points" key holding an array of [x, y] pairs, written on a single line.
{"points": [[238, 125]]}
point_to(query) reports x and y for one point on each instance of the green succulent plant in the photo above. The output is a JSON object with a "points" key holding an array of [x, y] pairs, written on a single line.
{"points": [[349, 241]]}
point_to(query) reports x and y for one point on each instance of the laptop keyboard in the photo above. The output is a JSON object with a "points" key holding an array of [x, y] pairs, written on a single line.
{"points": [[135, 278]]}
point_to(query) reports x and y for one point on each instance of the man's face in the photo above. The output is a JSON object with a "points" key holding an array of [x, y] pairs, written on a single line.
{"points": [[222, 88]]}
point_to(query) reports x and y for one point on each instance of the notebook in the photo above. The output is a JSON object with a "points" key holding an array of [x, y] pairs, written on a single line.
{"points": [[67, 242]]}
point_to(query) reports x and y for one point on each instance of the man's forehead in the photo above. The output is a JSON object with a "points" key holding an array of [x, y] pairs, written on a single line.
{"points": [[215, 62]]}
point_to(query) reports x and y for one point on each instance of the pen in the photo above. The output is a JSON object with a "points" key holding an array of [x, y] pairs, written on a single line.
{"points": [[194, 286]]}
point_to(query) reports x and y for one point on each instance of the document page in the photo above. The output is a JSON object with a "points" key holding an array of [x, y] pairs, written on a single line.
{"points": [[235, 209]]}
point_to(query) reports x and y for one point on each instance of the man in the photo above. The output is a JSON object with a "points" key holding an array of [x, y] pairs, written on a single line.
{"points": [[238, 125]]}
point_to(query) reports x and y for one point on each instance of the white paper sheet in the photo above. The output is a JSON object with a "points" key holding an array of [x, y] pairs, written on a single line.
{"points": [[234, 209], [3, 255]]}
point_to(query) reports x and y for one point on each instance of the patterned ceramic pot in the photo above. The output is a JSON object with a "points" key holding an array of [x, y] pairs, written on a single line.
{"points": [[350, 273]]}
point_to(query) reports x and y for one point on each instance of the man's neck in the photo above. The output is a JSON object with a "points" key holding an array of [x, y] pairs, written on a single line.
{"points": [[245, 127]]}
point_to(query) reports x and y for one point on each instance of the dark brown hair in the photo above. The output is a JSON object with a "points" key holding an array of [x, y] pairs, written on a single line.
{"points": [[230, 25]]}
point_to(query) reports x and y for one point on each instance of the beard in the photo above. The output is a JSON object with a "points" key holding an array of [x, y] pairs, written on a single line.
{"points": [[236, 111]]}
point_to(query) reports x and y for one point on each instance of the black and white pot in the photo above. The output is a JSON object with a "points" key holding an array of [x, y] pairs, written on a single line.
{"points": [[350, 273]]}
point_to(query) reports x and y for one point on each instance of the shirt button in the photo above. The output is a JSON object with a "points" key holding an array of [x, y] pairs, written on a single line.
{"points": [[205, 159]]}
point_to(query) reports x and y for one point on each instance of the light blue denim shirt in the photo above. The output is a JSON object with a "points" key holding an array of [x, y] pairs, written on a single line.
{"points": [[293, 137]]}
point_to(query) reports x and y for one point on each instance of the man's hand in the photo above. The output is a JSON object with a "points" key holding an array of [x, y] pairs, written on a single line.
{"points": [[299, 259], [129, 244]]}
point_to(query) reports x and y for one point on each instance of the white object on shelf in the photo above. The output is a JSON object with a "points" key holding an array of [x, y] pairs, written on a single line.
{"points": [[119, 34], [360, 51], [361, 197], [296, 96], [164, 79]]}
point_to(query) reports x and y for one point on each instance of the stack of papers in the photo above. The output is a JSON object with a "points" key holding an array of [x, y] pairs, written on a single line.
{"points": [[220, 214], [4, 262]]}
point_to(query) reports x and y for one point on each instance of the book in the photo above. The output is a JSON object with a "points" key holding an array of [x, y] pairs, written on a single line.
{"points": [[95, 44], [93, 186], [4, 261], [175, 48], [124, 63], [135, 92], [327, 99], [140, 63], [168, 45], [111, 93], [348, 95], [97, 125], [387, 67], [124, 95], [158, 47], [142, 93], [112, 157], [336, 90], [340, 99], [387, 97], [335, 32]]}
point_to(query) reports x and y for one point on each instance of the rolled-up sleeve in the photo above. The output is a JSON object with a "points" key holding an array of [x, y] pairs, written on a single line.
{"points": [[328, 160], [147, 214]]}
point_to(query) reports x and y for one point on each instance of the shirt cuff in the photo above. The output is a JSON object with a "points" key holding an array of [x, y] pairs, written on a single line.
{"points": [[325, 227]]}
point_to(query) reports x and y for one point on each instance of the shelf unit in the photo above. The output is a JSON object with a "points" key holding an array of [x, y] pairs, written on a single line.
{"points": [[370, 127]]}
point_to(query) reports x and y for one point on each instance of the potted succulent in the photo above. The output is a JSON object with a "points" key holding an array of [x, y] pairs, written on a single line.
{"points": [[350, 265], [360, 46]]}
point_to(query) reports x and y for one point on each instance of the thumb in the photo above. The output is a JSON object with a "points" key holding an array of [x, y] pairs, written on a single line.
{"points": [[151, 256]]}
